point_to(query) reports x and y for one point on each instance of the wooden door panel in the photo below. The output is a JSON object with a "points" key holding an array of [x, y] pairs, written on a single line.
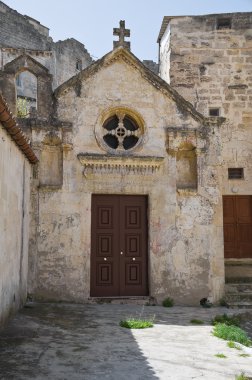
{"points": [[133, 274], [243, 209], [104, 274], [105, 216], [133, 262], [119, 246], [244, 232], [132, 217], [132, 245], [104, 247], [230, 233], [237, 216], [245, 251], [244, 240], [229, 209]]}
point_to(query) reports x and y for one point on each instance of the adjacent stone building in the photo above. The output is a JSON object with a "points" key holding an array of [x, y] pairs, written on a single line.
{"points": [[143, 180], [208, 59]]}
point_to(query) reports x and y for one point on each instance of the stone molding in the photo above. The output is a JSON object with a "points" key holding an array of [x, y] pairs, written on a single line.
{"points": [[100, 164], [120, 111]]}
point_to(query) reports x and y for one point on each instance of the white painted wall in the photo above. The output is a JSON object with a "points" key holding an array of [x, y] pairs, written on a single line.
{"points": [[15, 173]]}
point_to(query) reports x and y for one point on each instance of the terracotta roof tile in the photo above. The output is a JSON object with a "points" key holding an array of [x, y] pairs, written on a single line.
{"points": [[10, 125]]}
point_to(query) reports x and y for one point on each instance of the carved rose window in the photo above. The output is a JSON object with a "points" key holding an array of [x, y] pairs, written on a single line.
{"points": [[121, 132]]}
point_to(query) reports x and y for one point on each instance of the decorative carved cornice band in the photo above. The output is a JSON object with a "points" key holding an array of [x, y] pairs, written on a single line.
{"points": [[98, 163]]}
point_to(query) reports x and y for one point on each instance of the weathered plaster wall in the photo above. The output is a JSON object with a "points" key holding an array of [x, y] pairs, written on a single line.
{"points": [[185, 261], [14, 222]]}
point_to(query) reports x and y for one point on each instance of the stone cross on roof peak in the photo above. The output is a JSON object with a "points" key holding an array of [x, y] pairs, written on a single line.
{"points": [[121, 33]]}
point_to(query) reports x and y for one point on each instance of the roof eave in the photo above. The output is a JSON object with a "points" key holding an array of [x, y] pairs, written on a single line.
{"points": [[10, 125], [149, 75]]}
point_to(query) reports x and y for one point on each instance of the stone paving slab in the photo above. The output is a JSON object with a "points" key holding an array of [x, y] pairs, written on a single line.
{"points": [[67, 341]]}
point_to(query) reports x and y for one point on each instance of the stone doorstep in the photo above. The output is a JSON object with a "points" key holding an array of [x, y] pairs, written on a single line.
{"points": [[239, 305], [243, 288], [246, 297], [238, 280], [238, 262], [239, 299], [238, 292], [141, 300]]}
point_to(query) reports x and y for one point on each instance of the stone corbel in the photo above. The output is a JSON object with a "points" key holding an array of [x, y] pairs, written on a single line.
{"points": [[67, 147]]}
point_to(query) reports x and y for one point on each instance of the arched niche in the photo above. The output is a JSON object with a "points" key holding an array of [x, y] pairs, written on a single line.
{"points": [[51, 162], [26, 94], [26, 64], [186, 162]]}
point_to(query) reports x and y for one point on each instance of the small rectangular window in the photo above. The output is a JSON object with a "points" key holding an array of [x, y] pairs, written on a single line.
{"points": [[224, 23], [214, 112], [235, 173], [78, 65], [18, 81]]}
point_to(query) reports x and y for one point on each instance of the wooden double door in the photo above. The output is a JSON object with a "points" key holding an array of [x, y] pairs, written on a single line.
{"points": [[119, 262], [237, 214]]}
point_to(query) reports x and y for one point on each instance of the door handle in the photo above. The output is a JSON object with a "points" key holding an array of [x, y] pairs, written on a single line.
{"points": [[133, 259], [121, 253], [105, 259]]}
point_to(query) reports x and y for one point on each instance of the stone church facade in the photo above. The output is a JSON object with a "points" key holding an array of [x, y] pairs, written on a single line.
{"points": [[143, 186]]}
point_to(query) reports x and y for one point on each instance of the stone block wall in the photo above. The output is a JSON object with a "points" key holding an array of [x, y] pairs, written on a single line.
{"points": [[71, 57], [210, 64], [153, 66], [17, 31], [19, 34], [210, 67]]}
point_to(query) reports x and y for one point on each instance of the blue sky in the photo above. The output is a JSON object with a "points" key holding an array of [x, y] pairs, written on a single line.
{"points": [[92, 22]]}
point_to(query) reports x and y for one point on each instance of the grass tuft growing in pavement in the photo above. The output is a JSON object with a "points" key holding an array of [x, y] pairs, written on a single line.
{"points": [[231, 344], [221, 356], [196, 322], [241, 377], [231, 333], [233, 320], [244, 355], [168, 302], [135, 323]]}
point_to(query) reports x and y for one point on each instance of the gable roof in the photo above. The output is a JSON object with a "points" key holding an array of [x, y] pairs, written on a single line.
{"points": [[147, 74], [10, 125], [25, 60]]}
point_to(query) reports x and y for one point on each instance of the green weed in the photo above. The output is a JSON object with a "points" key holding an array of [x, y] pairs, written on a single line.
{"points": [[241, 377], [231, 344], [221, 356], [231, 333], [168, 302], [223, 302], [135, 323], [233, 320], [196, 322]]}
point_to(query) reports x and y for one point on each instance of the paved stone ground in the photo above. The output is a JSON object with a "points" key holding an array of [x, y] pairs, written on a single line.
{"points": [[67, 341], [246, 322]]}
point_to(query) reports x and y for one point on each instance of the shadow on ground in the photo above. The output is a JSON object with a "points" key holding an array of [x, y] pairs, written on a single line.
{"points": [[68, 341], [65, 341]]}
